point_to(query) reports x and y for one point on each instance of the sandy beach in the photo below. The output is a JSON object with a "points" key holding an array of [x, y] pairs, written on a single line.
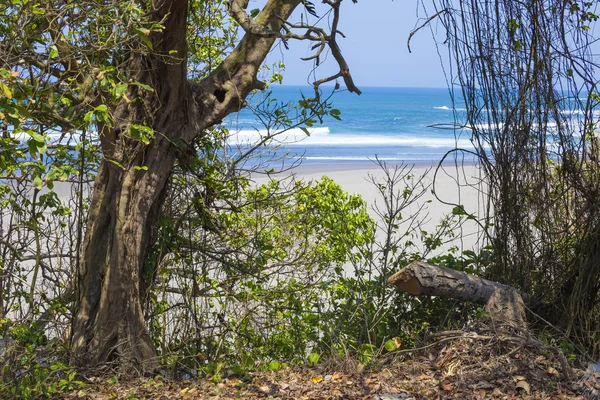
{"points": [[454, 184]]}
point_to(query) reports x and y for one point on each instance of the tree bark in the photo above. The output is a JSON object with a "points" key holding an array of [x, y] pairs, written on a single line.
{"points": [[108, 325], [502, 302]]}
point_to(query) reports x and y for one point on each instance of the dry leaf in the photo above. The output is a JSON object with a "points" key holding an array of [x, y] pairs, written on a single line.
{"points": [[335, 377], [524, 385], [317, 379], [264, 389], [552, 371], [447, 387]]}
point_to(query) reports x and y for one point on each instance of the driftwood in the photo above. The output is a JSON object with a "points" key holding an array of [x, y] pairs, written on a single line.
{"points": [[501, 301]]}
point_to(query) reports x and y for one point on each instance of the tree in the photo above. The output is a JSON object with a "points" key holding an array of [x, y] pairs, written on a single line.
{"points": [[149, 79], [526, 76]]}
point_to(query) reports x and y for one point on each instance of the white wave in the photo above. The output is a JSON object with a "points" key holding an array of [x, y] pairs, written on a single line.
{"points": [[446, 108], [500, 125], [322, 137], [351, 158], [595, 113], [572, 112], [57, 137], [290, 136]]}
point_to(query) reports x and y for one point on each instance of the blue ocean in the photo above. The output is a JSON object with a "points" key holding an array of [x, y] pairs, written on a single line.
{"points": [[392, 124]]}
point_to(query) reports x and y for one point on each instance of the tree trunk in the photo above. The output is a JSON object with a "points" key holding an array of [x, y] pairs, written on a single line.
{"points": [[108, 325], [502, 302]]}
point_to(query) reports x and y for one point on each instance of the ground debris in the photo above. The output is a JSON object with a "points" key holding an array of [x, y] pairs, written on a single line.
{"points": [[478, 364]]}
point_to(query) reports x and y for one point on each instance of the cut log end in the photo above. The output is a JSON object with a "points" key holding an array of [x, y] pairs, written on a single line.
{"points": [[506, 304], [407, 282]]}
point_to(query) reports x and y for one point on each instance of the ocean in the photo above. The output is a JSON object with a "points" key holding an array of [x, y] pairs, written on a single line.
{"points": [[414, 125], [392, 124]]}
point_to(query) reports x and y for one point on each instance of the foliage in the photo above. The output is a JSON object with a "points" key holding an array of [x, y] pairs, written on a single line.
{"points": [[32, 365], [261, 266], [290, 272]]}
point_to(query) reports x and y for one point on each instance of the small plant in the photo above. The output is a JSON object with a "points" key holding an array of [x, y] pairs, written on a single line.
{"points": [[32, 364]]}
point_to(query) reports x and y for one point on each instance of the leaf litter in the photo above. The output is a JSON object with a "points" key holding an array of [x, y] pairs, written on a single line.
{"points": [[482, 363]]}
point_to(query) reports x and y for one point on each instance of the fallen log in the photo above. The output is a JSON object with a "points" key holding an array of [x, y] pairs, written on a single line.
{"points": [[501, 301]]}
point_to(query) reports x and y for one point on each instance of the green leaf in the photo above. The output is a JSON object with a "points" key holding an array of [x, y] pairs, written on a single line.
{"points": [[275, 365], [53, 51], [101, 113], [144, 86], [313, 358], [36, 136], [118, 164], [390, 345], [120, 90], [254, 13], [143, 33], [37, 10], [37, 182], [458, 210], [89, 116], [141, 133], [6, 90], [248, 361]]}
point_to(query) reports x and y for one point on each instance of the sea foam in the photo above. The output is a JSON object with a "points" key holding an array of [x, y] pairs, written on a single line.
{"points": [[322, 136]]}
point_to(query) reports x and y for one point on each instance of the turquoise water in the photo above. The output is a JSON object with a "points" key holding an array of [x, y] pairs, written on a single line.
{"points": [[393, 124]]}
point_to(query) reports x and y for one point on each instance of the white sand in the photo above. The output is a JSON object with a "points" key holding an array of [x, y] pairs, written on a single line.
{"points": [[454, 184]]}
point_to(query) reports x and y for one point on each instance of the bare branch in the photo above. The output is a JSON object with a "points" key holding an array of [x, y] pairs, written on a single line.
{"points": [[424, 24]]}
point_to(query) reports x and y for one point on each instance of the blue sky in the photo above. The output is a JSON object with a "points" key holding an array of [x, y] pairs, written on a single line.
{"points": [[375, 46]]}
